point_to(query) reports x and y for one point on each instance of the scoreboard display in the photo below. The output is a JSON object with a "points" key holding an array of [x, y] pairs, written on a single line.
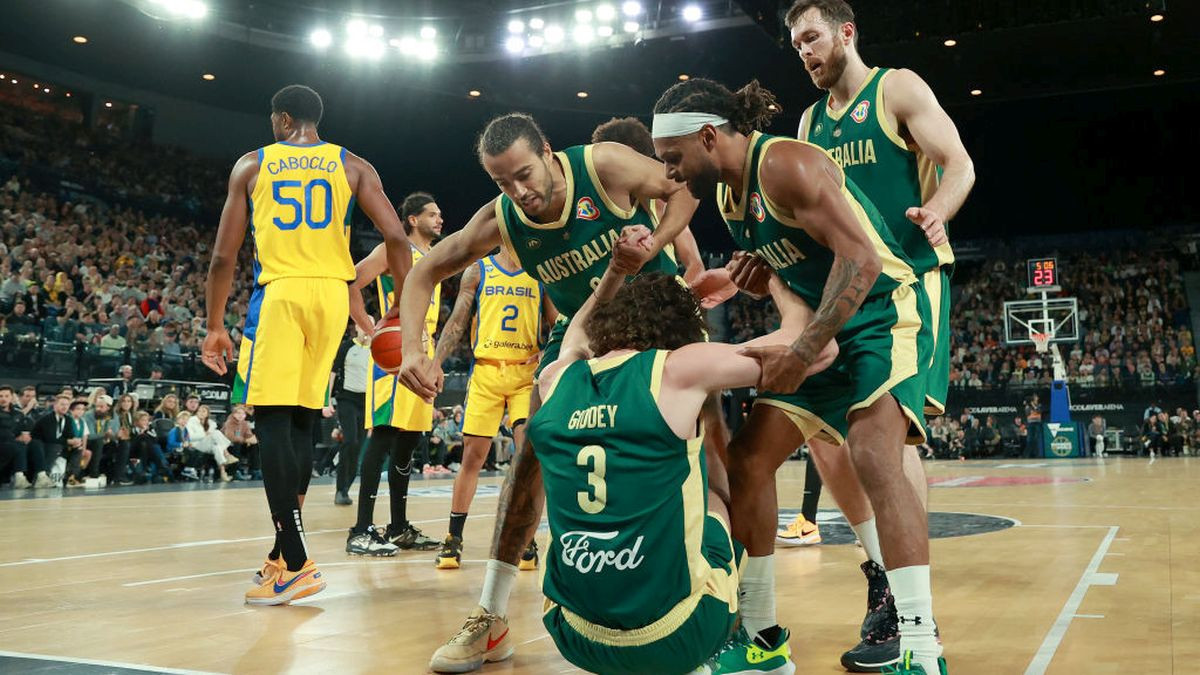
{"points": [[1043, 273]]}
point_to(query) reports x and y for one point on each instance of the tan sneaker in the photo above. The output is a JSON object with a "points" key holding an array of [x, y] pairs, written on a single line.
{"points": [[484, 637], [800, 532]]}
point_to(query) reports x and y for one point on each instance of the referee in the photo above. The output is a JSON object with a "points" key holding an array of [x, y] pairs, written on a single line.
{"points": [[348, 386]]}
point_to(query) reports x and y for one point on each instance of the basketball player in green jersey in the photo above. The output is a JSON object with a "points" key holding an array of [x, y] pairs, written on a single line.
{"points": [[641, 572], [560, 215], [788, 202], [887, 131]]}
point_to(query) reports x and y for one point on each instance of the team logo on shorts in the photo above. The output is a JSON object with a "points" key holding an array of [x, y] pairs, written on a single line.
{"points": [[586, 209], [860, 112], [756, 207]]}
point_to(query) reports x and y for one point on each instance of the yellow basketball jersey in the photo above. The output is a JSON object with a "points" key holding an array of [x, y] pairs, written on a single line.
{"points": [[386, 286], [300, 213], [508, 310]]}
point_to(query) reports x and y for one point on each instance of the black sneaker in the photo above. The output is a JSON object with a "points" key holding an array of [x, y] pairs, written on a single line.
{"points": [[873, 654], [529, 559], [342, 499], [369, 543], [450, 557], [410, 538]]}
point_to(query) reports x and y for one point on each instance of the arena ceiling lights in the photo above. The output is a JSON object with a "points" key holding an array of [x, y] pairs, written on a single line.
{"points": [[176, 9]]}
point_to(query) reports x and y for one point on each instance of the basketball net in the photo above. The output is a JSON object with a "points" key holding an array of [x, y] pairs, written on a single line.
{"points": [[1041, 341]]}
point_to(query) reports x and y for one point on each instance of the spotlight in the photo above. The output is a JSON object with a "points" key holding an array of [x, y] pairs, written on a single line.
{"points": [[631, 8], [951, 42], [684, 77], [108, 104], [976, 92], [47, 90], [516, 26], [407, 46], [14, 81], [356, 28], [536, 23], [554, 34], [583, 34], [692, 13], [208, 76], [191, 9], [604, 31], [606, 13], [428, 33], [1157, 17], [375, 30], [427, 51], [79, 40], [631, 26], [514, 45], [68, 94], [583, 15], [582, 94], [320, 38], [474, 93], [536, 41], [1160, 72]]}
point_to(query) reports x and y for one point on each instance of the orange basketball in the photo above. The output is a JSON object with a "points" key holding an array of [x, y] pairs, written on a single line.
{"points": [[387, 345]]}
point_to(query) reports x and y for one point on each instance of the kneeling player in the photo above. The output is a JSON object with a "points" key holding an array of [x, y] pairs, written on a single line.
{"points": [[641, 575]]}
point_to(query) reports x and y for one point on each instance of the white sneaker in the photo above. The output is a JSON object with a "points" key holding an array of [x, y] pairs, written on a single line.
{"points": [[370, 543], [44, 481], [20, 482], [484, 637]]}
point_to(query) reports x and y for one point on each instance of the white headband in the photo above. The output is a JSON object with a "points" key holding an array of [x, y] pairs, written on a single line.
{"points": [[670, 125]]}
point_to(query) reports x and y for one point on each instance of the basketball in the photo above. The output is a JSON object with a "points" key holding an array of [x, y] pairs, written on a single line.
{"points": [[387, 345]]}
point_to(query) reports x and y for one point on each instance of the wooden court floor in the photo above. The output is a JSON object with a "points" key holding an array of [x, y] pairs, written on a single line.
{"points": [[1094, 571]]}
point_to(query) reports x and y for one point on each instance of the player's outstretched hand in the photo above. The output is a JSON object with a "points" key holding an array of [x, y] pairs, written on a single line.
{"points": [[713, 287], [930, 222], [420, 374], [750, 273], [783, 369], [217, 350], [633, 249]]}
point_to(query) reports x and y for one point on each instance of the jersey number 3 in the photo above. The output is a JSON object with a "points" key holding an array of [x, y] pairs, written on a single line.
{"points": [[592, 501], [302, 211]]}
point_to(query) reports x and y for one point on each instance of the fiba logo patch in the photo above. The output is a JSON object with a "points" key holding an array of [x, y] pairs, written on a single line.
{"points": [[860, 112], [533, 243], [756, 207], [585, 209]]}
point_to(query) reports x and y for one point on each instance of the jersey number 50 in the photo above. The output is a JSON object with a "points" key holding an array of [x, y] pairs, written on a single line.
{"points": [[302, 211]]}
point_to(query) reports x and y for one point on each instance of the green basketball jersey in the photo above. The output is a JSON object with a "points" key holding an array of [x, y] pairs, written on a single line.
{"points": [[894, 176], [570, 255], [759, 226], [626, 498]]}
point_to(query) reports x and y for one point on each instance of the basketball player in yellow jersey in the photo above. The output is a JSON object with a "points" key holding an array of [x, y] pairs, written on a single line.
{"points": [[395, 416], [300, 192], [509, 311]]}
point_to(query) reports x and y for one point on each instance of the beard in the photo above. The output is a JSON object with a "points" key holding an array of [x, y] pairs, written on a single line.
{"points": [[704, 184], [834, 67]]}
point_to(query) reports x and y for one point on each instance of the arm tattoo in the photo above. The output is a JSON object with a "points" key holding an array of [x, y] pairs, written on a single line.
{"points": [[519, 510], [845, 290], [460, 316]]}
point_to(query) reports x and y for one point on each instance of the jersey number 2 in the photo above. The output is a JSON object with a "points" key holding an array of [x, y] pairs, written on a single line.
{"points": [[592, 501], [510, 313], [302, 211]]}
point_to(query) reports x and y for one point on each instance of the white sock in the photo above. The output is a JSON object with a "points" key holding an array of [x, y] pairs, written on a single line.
{"points": [[914, 606], [757, 594], [497, 586], [869, 536]]}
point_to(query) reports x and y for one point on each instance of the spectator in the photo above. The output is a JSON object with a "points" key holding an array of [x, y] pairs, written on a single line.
{"points": [[168, 408], [244, 443], [77, 453], [22, 324], [51, 435], [178, 446], [1096, 431], [113, 341], [101, 427], [144, 447], [207, 439], [14, 441], [29, 404], [125, 384]]}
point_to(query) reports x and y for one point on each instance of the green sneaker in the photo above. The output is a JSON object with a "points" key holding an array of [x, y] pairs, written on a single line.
{"points": [[742, 655], [906, 667]]}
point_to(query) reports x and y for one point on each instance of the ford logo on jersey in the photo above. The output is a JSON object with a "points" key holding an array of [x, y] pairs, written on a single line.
{"points": [[577, 552]]}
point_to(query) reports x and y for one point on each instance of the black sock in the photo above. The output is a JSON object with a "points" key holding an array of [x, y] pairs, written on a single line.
{"points": [[399, 471], [768, 637], [382, 438], [812, 490], [281, 482], [457, 520], [274, 554], [303, 423]]}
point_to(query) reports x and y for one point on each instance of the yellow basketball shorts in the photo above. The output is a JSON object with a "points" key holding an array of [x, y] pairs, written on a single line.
{"points": [[291, 335], [493, 387], [391, 404]]}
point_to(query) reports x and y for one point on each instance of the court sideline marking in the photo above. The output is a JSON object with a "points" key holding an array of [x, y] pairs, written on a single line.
{"points": [[1054, 637], [111, 664]]}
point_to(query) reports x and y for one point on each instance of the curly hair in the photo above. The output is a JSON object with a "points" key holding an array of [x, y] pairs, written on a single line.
{"points": [[654, 311], [748, 109], [626, 131]]}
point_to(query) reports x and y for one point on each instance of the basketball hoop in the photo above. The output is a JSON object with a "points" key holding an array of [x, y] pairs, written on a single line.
{"points": [[1041, 341]]}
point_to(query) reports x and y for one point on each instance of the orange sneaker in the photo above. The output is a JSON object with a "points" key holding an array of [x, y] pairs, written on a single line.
{"points": [[287, 586], [800, 532], [267, 571]]}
